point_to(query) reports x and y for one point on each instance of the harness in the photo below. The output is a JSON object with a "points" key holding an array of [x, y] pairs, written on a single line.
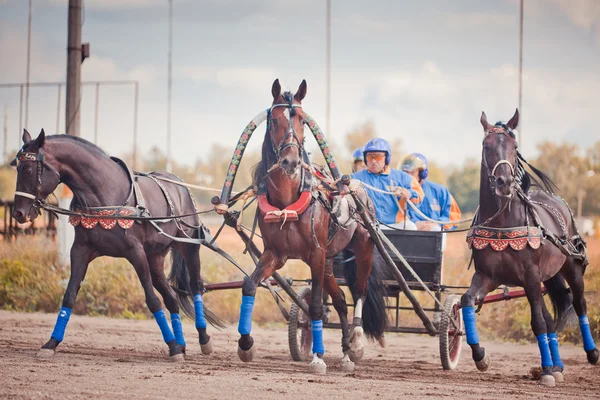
{"points": [[480, 236]]}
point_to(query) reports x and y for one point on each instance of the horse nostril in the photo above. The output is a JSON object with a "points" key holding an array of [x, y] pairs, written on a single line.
{"points": [[17, 215], [285, 162], [500, 181]]}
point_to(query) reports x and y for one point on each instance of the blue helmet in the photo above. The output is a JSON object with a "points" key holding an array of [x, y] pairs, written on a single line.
{"points": [[357, 155], [416, 161], [379, 145]]}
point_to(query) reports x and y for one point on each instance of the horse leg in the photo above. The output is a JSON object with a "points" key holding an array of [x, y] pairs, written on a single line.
{"points": [[267, 264], [315, 309], [191, 254], [557, 370], [363, 250], [338, 300], [159, 280], [81, 256], [538, 324], [574, 276], [480, 286], [140, 263]]}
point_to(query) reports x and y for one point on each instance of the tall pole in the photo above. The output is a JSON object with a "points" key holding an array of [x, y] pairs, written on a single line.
{"points": [[521, 73], [5, 138], [58, 109], [28, 67], [72, 119], [20, 115], [328, 84], [96, 113], [169, 86], [135, 122]]}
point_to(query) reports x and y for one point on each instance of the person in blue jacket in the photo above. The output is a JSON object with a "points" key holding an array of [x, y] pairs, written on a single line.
{"points": [[438, 203], [358, 160], [389, 208]]}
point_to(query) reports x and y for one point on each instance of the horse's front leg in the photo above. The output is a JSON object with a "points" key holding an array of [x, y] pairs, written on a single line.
{"points": [[315, 309], [267, 264], [538, 324], [481, 285], [81, 256]]}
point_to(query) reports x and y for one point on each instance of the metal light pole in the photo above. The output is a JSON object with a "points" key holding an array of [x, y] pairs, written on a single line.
{"points": [[328, 83], [169, 86], [74, 55], [521, 75], [28, 67]]}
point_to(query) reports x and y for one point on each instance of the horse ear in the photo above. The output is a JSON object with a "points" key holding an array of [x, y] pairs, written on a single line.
{"points": [[26, 136], [484, 122], [41, 139], [514, 121], [301, 91], [276, 89]]}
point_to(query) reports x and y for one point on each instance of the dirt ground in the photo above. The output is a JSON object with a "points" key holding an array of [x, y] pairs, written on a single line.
{"points": [[110, 358]]}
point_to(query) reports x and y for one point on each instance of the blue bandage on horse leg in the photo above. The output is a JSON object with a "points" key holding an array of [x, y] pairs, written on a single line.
{"points": [[161, 320], [553, 339], [177, 329], [544, 346], [245, 324], [586, 333], [470, 321], [317, 336], [199, 310], [61, 323]]}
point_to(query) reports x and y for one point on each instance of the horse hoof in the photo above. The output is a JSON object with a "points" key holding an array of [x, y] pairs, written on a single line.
{"points": [[592, 356], [207, 348], [45, 353], [547, 380], [484, 364], [357, 349], [317, 366], [247, 355], [177, 358], [347, 365], [558, 376]]}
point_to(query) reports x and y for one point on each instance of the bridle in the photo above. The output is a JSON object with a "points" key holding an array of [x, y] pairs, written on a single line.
{"points": [[41, 164], [491, 174], [291, 138]]}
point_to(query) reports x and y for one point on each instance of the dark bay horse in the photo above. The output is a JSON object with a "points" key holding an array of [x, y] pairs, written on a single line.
{"points": [[103, 185], [281, 176], [524, 237]]}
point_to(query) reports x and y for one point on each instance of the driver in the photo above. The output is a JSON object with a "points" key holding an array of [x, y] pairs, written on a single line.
{"points": [[358, 161]]}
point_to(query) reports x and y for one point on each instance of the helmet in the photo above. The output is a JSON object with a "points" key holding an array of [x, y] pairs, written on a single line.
{"points": [[357, 155], [416, 161], [379, 145]]}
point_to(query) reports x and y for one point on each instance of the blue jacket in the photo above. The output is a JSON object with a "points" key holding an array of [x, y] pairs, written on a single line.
{"points": [[386, 205], [435, 205]]}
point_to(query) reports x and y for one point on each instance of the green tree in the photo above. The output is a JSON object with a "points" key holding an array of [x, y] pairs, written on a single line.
{"points": [[463, 183]]}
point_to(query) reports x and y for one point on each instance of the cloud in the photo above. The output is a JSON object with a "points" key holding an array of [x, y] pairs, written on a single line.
{"points": [[114, 4], [248, 79]]}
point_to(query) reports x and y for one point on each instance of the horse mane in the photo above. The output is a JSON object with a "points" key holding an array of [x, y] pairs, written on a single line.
{"points": [[259, 171], [85, 143], [542, 181]]}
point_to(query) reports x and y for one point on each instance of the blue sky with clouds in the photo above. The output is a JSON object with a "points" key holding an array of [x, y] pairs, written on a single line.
{"points": [[422, 71]]}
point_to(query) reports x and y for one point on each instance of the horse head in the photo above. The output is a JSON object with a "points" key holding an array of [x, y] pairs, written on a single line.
{"points": [[499, 156], [36, 179], [286, 127]]}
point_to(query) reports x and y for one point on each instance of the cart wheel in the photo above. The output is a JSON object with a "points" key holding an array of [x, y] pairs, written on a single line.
{"points": [[299, 332], [451, 336]]}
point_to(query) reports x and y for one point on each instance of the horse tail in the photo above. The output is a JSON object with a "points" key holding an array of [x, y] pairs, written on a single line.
{"points": [[375, 318], [562, 302], [179, 278]]}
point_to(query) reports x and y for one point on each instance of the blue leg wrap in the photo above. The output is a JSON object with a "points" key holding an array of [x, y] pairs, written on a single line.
{"points": [[470, 325], [199, 309], [553, 339], [177, 329], [245, 324], [586, 333], [161, 320], [544, 350], [317, 336], [61, 323]]}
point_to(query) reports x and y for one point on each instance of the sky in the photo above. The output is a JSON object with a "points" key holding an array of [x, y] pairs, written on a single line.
{"points": [[422, 71]]}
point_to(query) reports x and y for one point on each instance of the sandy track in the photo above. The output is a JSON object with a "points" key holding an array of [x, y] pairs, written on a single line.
{"points": [[109, 358]]}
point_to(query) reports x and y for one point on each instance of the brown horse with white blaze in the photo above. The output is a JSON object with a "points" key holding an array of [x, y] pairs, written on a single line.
{"points": [[281, 176]]}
